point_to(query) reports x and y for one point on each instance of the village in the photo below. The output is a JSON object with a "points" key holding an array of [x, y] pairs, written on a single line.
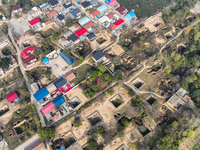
{"points": [[91, 75]]}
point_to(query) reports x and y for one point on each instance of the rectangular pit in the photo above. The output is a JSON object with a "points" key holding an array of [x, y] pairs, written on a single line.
{"points": [[151, 99], [94, 118], [138, 83], [69, 139], [143, 130], [4, 109], [117, 100], [74, 102]]}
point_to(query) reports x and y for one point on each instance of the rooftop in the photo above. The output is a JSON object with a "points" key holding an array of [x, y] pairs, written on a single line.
{"points": [[98, 55], [85, 4], [70, 76], [92, 2], [28, 59], [11, 97], [53, 2], [67, 6], [88, 25], [80, 32], [39, 145], [112, 3], [102, 8], [60, 82], [41, 94], [84, 20], [47, 108], [60, 17], [58, 101], [68, 60], [51, 88], [25, 53], [52, 13], [34, 21], [119, 22], [95, 13], [110, 15], [75, 11], [121, 9], [90, 36], [72, 38], [16, 7]]}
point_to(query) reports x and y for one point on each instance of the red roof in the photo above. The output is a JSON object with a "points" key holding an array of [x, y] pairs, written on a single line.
{"points": [[121, 9], [112, 27], [25, 53], [88, 25], [118, 22], [34, 21], [112, 3], [16, 7], [52, 13], [27, 60], [56, 90], [95, 13], [76, 25], [48, 108], [11, 97], [110, 15], [81, 32]]}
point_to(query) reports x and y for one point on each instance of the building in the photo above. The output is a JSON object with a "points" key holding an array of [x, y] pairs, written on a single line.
{"points": [[67, 6], [51, 88], [29, 61], [63, 41], [34, 87], [70, 76], [67, 33], [17, 8], [130, 15], [35, 23], [95, 14], [117, 25], [76, 12], [105, 21], [91, 36], [45, 60], [53, 3], [86, 5], [94, 2], [68, 60], [12, 97], [110, 15], [81, 32], [89, 26], [39, 145], [61, 18], [73, 38], [44, 7], [52, 13], [42, 96], [83, 20], [26, 53], [102, 8], [122, 10], [4, 41], [112, 3], [62, 85], [99, 57], [34, 13]]}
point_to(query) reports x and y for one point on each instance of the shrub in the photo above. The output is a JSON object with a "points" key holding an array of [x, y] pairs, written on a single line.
{"points": [[6, 51], [92, 144], [101, 131], [120, 134], [174, 124], [134, 145], [125, 122], [45, 132], [77, 122]]}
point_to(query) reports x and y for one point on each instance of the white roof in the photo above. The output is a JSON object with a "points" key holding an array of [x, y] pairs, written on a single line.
{"points": [[51, 88], [34, 87], [104, 19]]}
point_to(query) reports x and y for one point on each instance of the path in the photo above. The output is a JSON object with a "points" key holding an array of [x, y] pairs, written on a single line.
{"points": [[25, 78]]}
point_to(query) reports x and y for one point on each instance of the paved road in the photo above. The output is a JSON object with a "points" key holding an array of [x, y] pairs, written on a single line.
{"points": [[28, 143], [25, 78]]}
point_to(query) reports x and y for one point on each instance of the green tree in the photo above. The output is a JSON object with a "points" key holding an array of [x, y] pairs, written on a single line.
{"points": [[118, 75], [190, 134], [77, 122], [106, 77], [134, 145], [81, 59], [55, 37], [125, 122], [102, 67], [174, 124], [45, 132], [95, 87], [101, 131], [92, 144], [68, 23], [6, 51], [47, 73], [168, 70], [12, 2]]}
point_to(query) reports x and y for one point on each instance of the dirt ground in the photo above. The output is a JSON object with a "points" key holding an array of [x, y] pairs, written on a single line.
{"points": [[117, 49], [107, 37], [31, 38], [104, 107], [160, 40]]}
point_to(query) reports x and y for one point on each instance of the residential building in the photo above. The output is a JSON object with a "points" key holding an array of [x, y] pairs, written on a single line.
{"points": [[52, 14], [63, 41], [26, 53], [39, 145], [61, 18], [17, 8], [89, 26], [42, 96], [130, 15], [122, 10], [112, 3], [99, 57], [70, 76], [4, 41], [62, 85], [94, 2], [76, 13], [73, 39], [67, 33], [86, 5], [35, 23], [67, 6], [80, 33], [102, 9], [83, 20], [53, 3], [95, 14], [34, 12], [29, 61], [45, 60], [34, 87], [51, 88], [91, 36], [68, 60], [12, 97], [45, 7]]}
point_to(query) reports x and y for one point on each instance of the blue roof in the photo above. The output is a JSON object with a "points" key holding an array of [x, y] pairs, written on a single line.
{"points": [[85, 4], [45, 60], [41, 94], [53, 2], [18, 100], [92, 2], [67, 6], [66, 58], [98, 55], [128, 17], [102, 8], [62, 148], [75, 11], [58, 101], [84, 20], [41, 101], [60, 17], [90, 36], [44, 5], [107, 1], [132, 14]]}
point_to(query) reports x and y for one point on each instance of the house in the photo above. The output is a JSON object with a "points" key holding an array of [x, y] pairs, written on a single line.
{"points": [[53, 3], [130, 15], [35, 23], [95, 14], [102, 8], [67, 33], [34, 12], [59, 83], [34, 87], [52, 13], [12, 97], [81, 32], [51, 88], [117, 25], [122, 10], [76, 25], [112, 27], [61, 18], [45, 60], [93, 2], [17, 8], [83, 20], [4, 41], [91, 36], [67, 6], [42, 95], [89, 26], [76, 12], [68, 60], [112, 3], [39, 145], [86, 5], [44, 7], [179, 100], [70, 76], [29, 61], [26, 53], [99, 57], [105, 21], [63, 41], [46, 25], [110, 15], [73, 38]]}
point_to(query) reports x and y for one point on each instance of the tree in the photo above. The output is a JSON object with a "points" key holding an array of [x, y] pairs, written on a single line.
{"points": [[12, 2], [168, 70], [118, 75], [6, 51], [190, 134], [92, 144], [134, 145], [95, 87], [45, 132], [174, 124], [106, 77], [47, 73], [125, 122], [81, 59], [55, 37], [77, 122], [102, 67], [101, 131], [68, 23]]}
